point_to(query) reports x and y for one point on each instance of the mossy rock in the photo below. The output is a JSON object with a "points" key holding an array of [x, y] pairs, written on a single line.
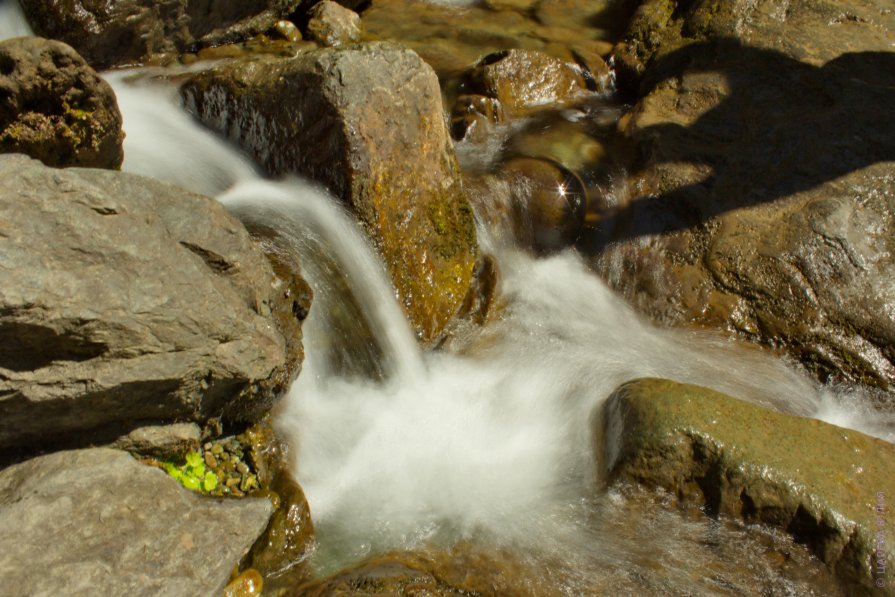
{"points": [[367, 122], [56, 108], [822, 483]]}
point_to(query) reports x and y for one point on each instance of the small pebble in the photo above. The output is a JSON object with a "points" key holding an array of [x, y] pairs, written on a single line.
{"points": [[242, 467], [210, 460], [247, 584]]}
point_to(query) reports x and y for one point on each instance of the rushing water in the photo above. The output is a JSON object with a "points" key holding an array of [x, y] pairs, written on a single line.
{"points": [[12, 21], [493, 443]]}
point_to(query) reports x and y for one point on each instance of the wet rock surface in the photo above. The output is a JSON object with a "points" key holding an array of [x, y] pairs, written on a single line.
{"points": [[549, 203], [125, 32], [452, 39], [433, 572], [126, 299], [350, 118], [98, 522], [525, 80], [761, 197], [333, 25], [55, 108], [819, 482]]}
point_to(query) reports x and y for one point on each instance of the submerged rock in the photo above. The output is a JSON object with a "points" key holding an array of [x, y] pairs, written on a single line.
{"points": [[549, 203], [367, 122], [55, 108], [823, 484], [97, 522], [123, 32], [761, 199], [124, 299], [463, 570]]}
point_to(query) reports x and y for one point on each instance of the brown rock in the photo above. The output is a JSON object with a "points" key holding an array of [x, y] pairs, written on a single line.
{"points": [[473, 115], [819, 482], [333, 25], [99, 523], [549, 201], [122, 32], [161, 441], [124, 299], [749, 209], [349, 119], [524, 80], [464, 570], [55, 108]]}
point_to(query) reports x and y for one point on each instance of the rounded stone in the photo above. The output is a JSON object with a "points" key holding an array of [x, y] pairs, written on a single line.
{"points": [[55, 108], [549, 201]]}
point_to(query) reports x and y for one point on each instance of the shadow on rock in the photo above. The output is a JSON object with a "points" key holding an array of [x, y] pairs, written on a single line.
{"points": [[757, 124]]}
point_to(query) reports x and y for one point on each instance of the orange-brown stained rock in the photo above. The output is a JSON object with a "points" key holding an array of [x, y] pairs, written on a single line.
{"points": [[366, 121]]}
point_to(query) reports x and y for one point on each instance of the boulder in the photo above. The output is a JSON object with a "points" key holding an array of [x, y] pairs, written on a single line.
{"points": [[124, 32], [825, 485], [333, 25], [351, 119], [761, 198], [525, 80], [161, 441], [123, 299], [96, 522], [55, 108]]}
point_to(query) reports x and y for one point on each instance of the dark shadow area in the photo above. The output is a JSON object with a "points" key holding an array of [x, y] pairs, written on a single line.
{"points": [[780, 127]]}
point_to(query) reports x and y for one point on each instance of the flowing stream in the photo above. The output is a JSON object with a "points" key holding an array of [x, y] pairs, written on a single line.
{"points": [[492, 444]]}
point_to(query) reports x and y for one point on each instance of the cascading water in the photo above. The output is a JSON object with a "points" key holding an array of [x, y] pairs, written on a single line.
{"points": [[12, 20], [396, 449]]}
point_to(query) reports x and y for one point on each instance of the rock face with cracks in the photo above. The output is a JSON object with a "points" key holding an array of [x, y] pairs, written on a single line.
{"points": [[123, 299], [55, 108], [366, 121], [96, 522], [819, 482]]}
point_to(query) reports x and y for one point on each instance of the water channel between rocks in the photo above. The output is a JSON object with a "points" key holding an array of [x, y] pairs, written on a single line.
{"points": [[492, 443], [397, 449]]}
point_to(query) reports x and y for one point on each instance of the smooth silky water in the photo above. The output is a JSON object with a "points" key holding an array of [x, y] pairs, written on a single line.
{"points": [[492, 445]]}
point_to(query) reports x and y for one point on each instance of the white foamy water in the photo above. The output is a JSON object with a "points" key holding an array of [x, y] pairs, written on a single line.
{"points": [[398, 449], [345, 273], [164, 142], [12, 20]]}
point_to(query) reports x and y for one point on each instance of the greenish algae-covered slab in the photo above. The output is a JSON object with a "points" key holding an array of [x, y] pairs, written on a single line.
{"points": [[828, 486]]}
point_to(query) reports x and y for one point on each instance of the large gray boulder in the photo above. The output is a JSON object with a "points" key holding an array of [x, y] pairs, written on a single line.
{"points": [[366, 121], [826, 485], [55, 108], [96, 522], [761, 198], [122, 32], [125, 299]]}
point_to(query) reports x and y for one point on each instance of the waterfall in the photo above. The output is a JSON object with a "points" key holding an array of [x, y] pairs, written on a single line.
{"points": [[12, 20], [396, 449], [347, 278], [164, 142]]}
